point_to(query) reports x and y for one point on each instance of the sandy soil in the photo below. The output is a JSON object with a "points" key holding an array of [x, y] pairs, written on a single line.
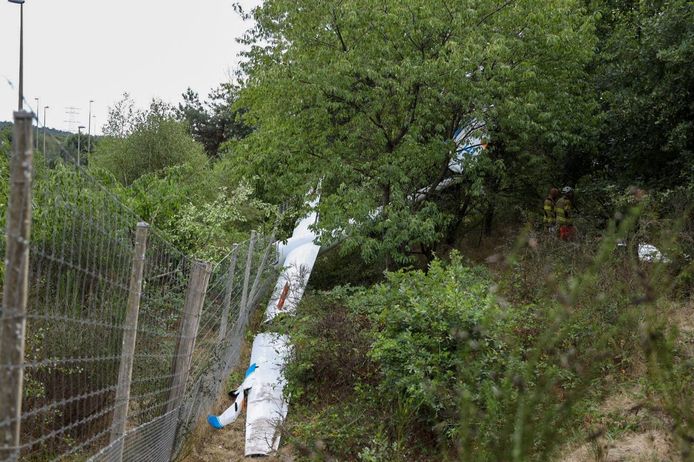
{"points": [[651, 441], [651, 446], [648, 445], [226, 445]]}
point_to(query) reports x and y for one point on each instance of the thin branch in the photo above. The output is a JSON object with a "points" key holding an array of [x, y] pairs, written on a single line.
{"points": [[338, 32], [412, 110], [499, 8]]}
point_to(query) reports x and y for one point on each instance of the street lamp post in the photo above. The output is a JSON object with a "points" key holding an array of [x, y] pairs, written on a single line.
{"points": [[89, 130], [44, 132], [79, 137], [37, 124], [21, 51]]}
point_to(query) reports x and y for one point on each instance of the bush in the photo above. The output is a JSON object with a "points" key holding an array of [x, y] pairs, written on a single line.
{"points": [[425, 324], [156, 143], [329, 375], [448, 365]]}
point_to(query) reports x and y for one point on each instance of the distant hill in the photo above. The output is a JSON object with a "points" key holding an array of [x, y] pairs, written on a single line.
{"points": [[58, 143], [49, 131]]}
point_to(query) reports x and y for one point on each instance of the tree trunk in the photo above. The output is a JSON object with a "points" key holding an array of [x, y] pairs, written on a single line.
{"points": [[489, 218]]}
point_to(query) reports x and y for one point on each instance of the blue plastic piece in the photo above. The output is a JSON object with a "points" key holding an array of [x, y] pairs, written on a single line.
{"points": [[214, 422], [250, 370]]}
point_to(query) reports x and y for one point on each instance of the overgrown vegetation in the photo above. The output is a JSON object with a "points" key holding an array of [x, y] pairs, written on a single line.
{"points": [[507, 354], [159, 170], [465, 363], [486, 338]]}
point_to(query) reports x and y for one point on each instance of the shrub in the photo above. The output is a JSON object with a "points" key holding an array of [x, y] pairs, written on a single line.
{"points": [[447, 365], [156, 143], [425, 324]]}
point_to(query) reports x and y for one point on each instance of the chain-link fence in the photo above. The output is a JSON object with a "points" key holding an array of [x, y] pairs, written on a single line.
{"points": [[114, 342]]}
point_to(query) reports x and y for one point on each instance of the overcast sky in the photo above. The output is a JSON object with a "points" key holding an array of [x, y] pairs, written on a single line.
{"points": [[77, 50]]}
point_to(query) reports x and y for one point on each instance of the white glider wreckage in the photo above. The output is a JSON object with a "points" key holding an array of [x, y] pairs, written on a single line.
{"points": [[263, 384]]}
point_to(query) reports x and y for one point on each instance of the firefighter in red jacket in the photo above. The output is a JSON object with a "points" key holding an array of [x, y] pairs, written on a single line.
{"points": [[564, 212]]}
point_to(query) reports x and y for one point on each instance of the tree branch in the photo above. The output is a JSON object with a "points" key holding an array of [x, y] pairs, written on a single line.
{"points": [[338, 32], [499, 8]]}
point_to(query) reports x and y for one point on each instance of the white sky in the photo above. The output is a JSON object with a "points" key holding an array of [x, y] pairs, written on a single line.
{"points": [[77, 50]]}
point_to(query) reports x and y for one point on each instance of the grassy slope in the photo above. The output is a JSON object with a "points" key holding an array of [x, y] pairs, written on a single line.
{"points": [[622, 416], [622, 419]]}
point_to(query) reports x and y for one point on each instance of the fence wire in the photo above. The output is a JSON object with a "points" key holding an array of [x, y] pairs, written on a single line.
{"points": [[79, 281], [80, 258], [217, 348]]}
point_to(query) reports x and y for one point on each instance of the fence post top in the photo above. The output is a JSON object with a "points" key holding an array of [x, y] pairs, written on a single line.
{"points": [[18, 115], [143, 225], [203, 265]]}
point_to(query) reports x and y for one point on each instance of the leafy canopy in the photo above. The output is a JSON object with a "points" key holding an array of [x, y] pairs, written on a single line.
{"points": [[366, 96], [646, 79], [214, 121], [141, 142]]}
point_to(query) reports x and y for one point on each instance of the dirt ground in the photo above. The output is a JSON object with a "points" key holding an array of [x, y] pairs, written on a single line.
{"points": [[651, 446], [226, 445], [649, 440]]}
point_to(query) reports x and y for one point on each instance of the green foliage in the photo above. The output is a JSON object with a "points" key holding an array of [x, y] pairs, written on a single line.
{"points": [[367, 96], [71, 146], [70, 213], [426, 322], [159, 198], [645, 78], [153, 165], [6, 140], [197, 216], [152, 141], [226, 219], [456, 366], [330, 376], [451, 361], [213, 122]]}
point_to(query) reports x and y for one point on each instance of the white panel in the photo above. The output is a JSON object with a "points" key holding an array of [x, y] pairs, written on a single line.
{"points": [[267, 407], [292, 282]]}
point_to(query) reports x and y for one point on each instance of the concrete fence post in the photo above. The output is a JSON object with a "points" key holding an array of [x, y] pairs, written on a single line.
{"points": [[247, 276], [227, 294], [120, 413], [195, 299], [15, 288]]}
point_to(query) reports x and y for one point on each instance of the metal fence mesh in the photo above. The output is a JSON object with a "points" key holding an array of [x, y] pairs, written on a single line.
{"points": [[217, 348], [81, 250], [151, 441], [79, 281]]}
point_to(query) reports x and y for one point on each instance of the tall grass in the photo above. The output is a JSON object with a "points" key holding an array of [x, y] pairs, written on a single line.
{"points": [[500, 363]]}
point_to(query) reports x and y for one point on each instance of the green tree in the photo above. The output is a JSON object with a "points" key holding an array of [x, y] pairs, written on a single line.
{"points": [[367, 95], [122, 117], [71, 145], [5, 140], [142, 142], [214, 121], [645, 77]]}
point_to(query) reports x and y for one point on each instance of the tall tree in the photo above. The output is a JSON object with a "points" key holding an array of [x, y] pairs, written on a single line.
{"points": [[144, 141], [215, 121], [646, 82], [367, 96]]}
